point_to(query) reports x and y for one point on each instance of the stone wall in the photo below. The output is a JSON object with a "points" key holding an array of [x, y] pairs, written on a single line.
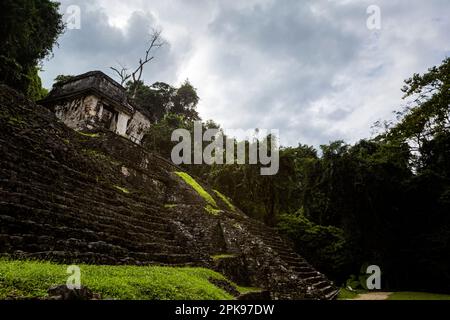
{"points": [[78, 114], [137, 127], [90, 112]]}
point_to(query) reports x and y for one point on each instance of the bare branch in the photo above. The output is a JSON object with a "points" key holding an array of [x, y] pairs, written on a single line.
{"points": [[156, 42], [124, 76]]}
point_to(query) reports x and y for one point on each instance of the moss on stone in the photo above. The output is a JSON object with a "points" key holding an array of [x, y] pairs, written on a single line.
{"points": [[16, 121], [225, 200], [99, 156], [124, 190], [90, 135], [244, 290], [95, 154], [237, 226], [202, 192], [223, 256], [212, 210]]}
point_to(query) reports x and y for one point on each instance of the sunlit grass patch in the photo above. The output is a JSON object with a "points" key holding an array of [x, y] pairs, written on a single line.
{"points": [[345, 294], [31, 279]]}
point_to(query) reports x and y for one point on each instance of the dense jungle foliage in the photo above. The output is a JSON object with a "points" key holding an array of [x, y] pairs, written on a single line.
{"points": [[384, 200]]}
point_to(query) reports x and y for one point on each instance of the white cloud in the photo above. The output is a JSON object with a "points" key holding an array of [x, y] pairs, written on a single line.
{"points": [[311, 69]]}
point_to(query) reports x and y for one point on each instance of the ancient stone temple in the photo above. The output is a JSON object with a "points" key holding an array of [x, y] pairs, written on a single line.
{"points": [[92, 100], [71, 198]]}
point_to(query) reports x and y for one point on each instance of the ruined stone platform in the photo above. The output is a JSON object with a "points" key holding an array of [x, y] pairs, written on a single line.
{"points": [[98, 198]]}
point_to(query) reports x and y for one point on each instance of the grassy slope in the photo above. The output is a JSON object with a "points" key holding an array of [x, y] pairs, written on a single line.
{"points": [[211, 207], [197, 187], [32, 279]]}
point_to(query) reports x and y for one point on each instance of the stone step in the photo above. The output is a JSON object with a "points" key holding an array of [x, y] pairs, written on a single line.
{"points": [[99, 258], [94, 192], [160, 247], [162, 257], [33, 243], [303, 268], [328, 289], [284, 248], [105, 221], [307, 274], [74, 179], [10, 224], [321, 284], [292, 256], [18, 225], [313, 279], [33, 246], [292, 260], [272, 243], [63, 197], [331, 294], [63, 257]]}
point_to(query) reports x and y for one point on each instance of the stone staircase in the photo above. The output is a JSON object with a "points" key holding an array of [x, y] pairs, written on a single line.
{"points": [[307, 273]]}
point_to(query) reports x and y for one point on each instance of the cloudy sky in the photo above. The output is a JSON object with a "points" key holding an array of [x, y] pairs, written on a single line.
{"points": [[312, 69]]}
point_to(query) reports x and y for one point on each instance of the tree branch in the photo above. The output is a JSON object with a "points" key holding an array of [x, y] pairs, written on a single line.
{"points": [[156, 42], [124, 76]]}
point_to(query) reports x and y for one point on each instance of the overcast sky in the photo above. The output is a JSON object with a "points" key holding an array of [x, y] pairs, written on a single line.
{"points": [[312, 69]]}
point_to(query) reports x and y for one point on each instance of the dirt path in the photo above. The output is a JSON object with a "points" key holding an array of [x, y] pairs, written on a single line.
{"points": [[373, 296]]}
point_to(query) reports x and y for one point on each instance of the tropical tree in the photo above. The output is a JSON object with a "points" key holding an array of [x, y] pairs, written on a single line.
{"points": [[29, 31]]}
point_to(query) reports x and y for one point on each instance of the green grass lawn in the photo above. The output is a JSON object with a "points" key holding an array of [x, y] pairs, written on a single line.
{"points": [[31, 279], [345, 294], [418, 296]]}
